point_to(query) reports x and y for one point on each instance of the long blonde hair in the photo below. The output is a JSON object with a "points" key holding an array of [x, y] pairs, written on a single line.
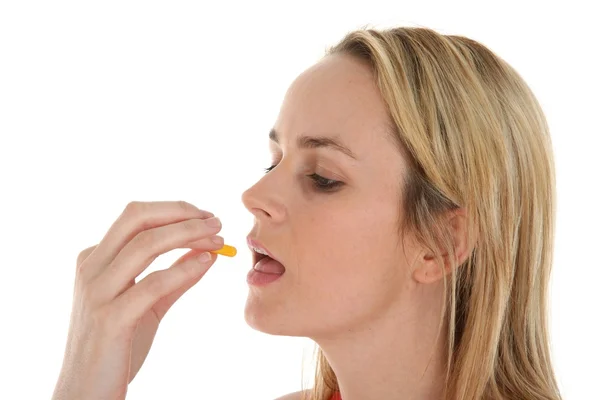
{"points": [[475, 137]]}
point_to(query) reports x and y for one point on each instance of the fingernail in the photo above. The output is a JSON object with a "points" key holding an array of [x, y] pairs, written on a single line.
{"points": [[218, 240], [204, 257], [215, 222]]}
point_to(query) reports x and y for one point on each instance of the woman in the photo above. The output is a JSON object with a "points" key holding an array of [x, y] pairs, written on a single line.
{"points": [[410, 211]]}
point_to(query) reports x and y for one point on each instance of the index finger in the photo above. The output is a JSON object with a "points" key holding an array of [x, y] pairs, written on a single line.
{"points": [[135, 218]]}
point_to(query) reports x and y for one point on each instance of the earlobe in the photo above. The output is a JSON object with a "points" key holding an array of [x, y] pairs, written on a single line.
{"points": [[429, 270]]}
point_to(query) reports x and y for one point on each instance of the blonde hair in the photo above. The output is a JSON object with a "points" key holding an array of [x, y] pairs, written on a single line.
{"points": [[476, 138]]}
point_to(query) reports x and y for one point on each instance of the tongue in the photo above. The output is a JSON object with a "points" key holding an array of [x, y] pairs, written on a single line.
{"points": [[269, 266]]}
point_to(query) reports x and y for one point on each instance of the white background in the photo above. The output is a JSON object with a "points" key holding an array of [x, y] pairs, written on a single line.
{"points": [[106, 102]]}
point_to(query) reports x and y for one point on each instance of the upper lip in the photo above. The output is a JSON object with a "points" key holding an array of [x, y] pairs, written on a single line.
{"points": [[253, 243]]}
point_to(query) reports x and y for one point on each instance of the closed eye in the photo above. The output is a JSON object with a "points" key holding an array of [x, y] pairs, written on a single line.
{"points": [[320, 183]]}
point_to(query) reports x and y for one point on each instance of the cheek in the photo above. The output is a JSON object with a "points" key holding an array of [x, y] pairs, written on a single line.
{"points": [[348, 248], [346, 266]]}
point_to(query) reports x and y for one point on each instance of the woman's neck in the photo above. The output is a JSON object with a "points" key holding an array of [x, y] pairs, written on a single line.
{"points": [[393, 356]]}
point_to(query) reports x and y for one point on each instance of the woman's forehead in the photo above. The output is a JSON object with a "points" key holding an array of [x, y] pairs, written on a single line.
{"points": [[336, 98]]}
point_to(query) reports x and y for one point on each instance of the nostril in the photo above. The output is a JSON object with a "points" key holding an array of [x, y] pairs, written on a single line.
{"points": [[258, 211]]}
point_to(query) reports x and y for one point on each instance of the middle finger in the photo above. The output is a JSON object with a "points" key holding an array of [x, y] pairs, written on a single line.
{"points": [[146, 246]]}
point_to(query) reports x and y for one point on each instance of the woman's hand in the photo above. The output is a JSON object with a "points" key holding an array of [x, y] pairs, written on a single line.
{"points": [[114, 319]]}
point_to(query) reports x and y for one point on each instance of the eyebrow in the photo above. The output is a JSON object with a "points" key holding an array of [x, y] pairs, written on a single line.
{"points": [[315, 142]]}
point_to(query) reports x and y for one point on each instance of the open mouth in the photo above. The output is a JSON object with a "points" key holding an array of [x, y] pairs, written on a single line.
{"points": [[265, 264], [256, 257], [265, 269], [262, 262]]}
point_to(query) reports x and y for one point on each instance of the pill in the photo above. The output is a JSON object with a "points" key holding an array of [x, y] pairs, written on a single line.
{"points": [[226, 250]]}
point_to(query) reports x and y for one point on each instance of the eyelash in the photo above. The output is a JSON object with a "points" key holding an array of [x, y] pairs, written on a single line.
{"points": [[322, 184]]}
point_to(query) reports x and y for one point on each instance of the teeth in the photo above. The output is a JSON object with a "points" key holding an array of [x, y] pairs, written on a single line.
{"points": [[259, 251]]}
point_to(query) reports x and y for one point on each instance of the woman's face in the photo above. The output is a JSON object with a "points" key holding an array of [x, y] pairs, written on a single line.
{"points": [[343, 258]]}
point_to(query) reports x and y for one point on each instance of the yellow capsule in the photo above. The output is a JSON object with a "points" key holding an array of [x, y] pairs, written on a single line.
{"points": [[226, 250]]}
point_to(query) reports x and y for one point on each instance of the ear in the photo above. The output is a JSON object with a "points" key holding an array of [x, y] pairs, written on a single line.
{"points": [[427, 269]]}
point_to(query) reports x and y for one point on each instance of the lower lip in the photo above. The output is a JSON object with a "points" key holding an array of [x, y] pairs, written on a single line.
{"points": [[257, 278]]}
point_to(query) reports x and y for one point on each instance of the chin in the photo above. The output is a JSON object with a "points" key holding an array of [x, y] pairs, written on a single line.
{"points": [[270, 317]]}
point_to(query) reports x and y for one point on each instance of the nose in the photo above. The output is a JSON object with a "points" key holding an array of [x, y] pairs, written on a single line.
{"points": [[264, 198]]}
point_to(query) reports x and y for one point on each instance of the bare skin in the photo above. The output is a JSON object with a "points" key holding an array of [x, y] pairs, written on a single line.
{"points": [[114, 320], [370, 298]]}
